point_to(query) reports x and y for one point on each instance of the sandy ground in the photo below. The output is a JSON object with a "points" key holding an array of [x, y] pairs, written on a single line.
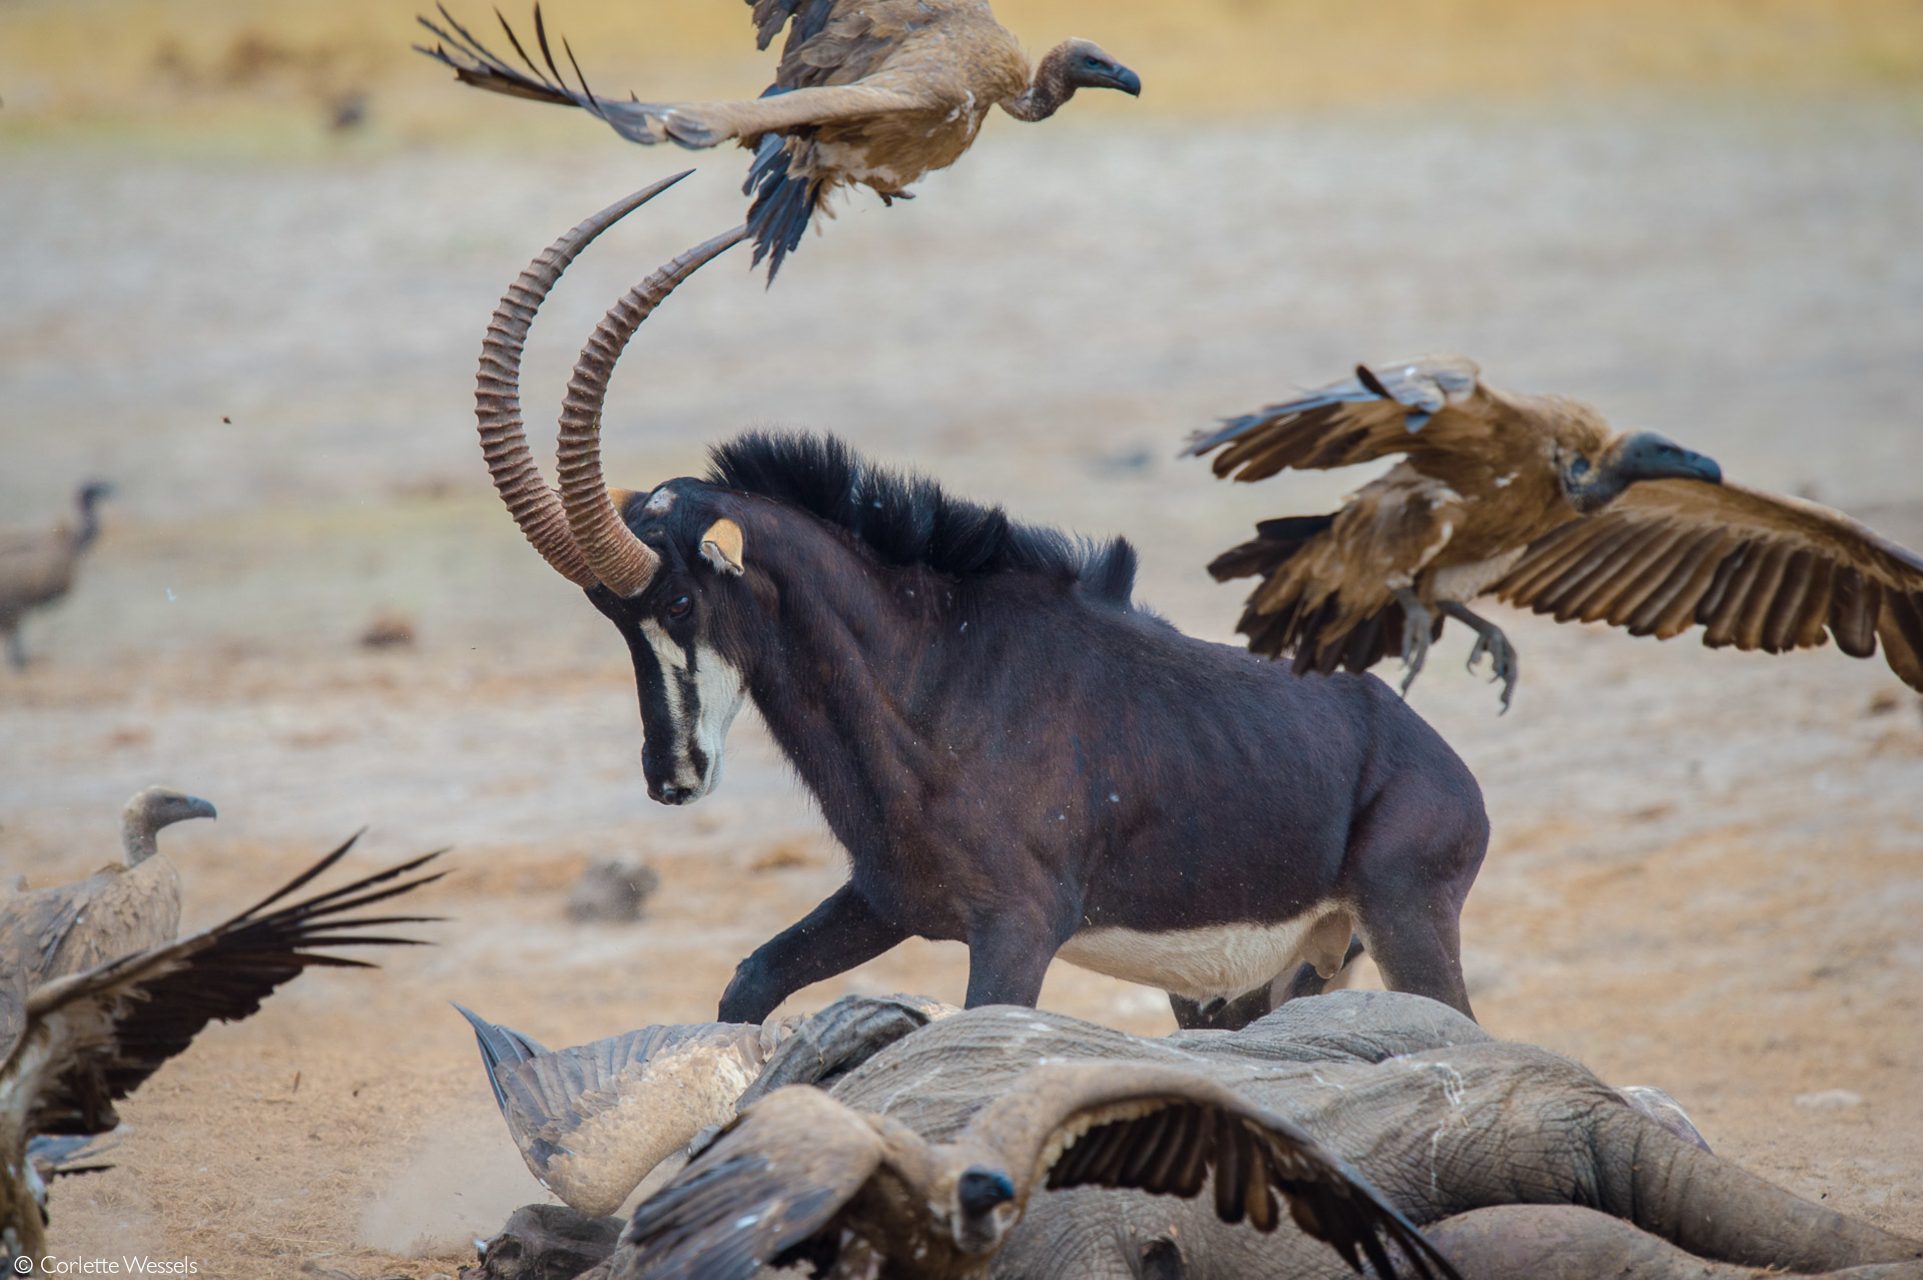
{"points": [[1707, 869]]}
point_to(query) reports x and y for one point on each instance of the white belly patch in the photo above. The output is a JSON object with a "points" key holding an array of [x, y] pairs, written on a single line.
{"points": [[1215, 960]]}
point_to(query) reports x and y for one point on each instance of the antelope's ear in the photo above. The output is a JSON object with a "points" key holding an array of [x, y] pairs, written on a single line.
{"points": [[721, 547]]}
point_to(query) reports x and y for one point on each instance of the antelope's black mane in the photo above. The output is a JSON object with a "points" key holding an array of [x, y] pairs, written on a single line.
{"points": [[909, 520]]}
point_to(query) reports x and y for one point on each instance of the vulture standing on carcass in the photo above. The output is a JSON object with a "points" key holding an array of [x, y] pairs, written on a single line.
{"points": [[1536, 500], [803, 1177], [37, 568], [120, 909], [91, 1038], [875, 92]]}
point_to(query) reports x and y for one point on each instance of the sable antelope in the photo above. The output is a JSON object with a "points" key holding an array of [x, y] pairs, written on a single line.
{"points": [[870, 92], [594, 1120], [117, 910], [1536, 500], [1499, 1151], [92, 1038], [37, 569], [803, 1177], [1011, 751]]}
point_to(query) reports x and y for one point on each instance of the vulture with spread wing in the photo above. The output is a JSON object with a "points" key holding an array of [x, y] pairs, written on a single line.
{"points": [[91, 1038], [1536, 500], [593, 1120], [121, 908], [870, 92], [803, 1178]]}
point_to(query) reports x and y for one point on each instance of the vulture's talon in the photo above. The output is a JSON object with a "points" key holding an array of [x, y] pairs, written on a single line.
{"points": [[1503, 664], [1418, 624]]}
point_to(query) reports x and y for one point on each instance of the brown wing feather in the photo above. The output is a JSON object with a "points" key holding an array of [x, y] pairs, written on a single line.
{"points": [[1416, 407], [1755, 570], [818, 77], [1158, 1129], [111, 1027], [772, 1182]]}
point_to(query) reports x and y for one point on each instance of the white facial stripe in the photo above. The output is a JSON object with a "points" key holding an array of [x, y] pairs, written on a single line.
{"points": [[718, 690]]}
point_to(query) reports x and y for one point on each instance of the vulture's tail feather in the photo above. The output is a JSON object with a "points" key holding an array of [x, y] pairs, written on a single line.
{"points": [[1274, 544], [784, 202], [498, 1045]]}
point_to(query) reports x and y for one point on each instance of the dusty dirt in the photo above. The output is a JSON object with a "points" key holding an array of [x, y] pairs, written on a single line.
{"points": [[1707, 869]]}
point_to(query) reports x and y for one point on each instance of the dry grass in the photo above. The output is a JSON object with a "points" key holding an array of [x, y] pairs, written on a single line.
{"points": [[184, 65]]}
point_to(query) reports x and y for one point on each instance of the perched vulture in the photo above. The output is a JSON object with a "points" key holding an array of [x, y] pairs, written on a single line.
{"points": [[1536, 500], [117, 910], [802, 1177], [92, 1038], [37, 568], [875, 92]]}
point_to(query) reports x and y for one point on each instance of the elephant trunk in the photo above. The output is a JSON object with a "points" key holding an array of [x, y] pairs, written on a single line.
{"points": [[1711, 1208]]}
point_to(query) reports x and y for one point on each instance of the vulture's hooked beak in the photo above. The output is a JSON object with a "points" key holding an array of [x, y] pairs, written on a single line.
{"points": [[1127, 81], [1648, 456], [198, 808]]}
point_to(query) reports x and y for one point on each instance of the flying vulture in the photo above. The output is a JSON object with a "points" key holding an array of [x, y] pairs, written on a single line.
{"points": [[876, 92], [802, 1177], [1536, 500], [91, 1038], [119, 909]]}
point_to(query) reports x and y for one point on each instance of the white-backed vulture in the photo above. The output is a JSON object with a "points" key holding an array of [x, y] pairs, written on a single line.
{"points": [[119, 909], [803, 1177], [1536, 500], [92, 1038], [869, 92], [594, 1120], [37, 568]]}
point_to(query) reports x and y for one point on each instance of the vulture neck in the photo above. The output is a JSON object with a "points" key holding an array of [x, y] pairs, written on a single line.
{"points": [[1045, 93], [89, 525], [138, 838]]}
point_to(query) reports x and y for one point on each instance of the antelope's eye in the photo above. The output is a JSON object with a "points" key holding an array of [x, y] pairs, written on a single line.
{"points": [[680, 607], [1579, 468]]}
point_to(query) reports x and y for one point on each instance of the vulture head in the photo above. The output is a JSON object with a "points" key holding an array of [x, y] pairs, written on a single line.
{"points": [[1072, 65], [983, 1209], [1595, 466], [152, 809], [92, 492]]}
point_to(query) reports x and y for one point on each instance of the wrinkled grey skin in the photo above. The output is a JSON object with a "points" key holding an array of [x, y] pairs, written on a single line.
{"points": [[1450, 1124]]}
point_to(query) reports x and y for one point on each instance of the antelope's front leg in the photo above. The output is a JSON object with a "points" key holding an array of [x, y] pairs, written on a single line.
{"points": [[1008, 956], [842, 932]]}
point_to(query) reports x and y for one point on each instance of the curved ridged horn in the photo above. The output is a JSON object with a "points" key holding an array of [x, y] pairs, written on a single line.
{"points": [[619, 559], [497, 393]]}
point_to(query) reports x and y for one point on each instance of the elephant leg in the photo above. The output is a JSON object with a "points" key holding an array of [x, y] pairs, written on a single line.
{"points": [[1568, 1242]]}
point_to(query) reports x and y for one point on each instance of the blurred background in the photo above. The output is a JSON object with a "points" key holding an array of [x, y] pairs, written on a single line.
{"points": [[248, 252]]}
